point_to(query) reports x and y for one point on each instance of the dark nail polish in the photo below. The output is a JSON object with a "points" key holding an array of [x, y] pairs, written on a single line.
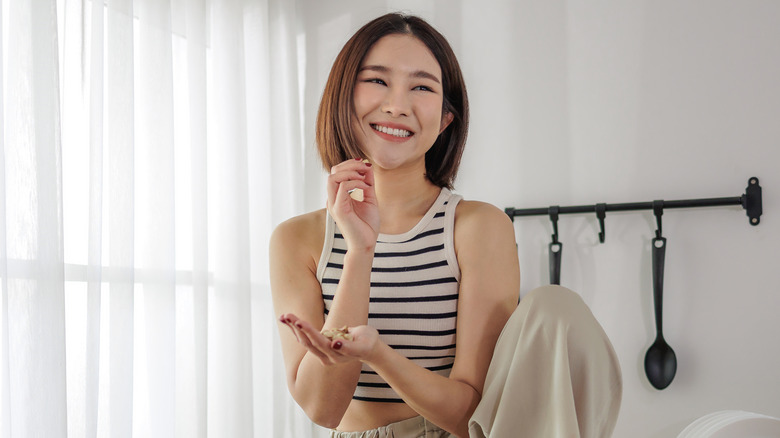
{"points": [[337, 345]]}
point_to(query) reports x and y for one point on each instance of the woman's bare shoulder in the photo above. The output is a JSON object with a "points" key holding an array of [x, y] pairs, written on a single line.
{"points": [[482, 214], [480, 224], [300, 234]]}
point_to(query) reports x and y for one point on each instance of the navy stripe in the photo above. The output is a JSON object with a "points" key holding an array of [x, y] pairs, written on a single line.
{"points": [[422, 347], [414, 283], [413, 299], [399, 269], [446, 356], [411, 268], [417, 332], [426, 234], [376, 399], [374, 373], [406, 284], [419, 236], [408, 253], [403, 299], [439, 368], [398, 254], [412, 315], [373, 385]]}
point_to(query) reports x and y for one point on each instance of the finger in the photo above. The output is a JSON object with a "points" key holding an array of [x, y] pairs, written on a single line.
{"points": [[348, 186], [315, 337], [285, 319], [369, 177], [356, 163], [297, 326], [312, 343], [335, 180], [345, 348]]}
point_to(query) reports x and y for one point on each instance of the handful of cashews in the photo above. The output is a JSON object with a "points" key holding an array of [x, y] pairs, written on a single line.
{"points": [[339, 333]]}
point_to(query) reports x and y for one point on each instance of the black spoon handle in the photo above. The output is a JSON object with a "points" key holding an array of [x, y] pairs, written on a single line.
{"points": [[659, 256], [556, 248]]}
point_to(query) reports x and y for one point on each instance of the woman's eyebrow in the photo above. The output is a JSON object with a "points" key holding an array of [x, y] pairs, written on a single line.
{"points": [[415, 74]]}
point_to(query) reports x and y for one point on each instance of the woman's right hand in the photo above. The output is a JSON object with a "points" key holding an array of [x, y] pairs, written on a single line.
{"points": [[358, 221]]}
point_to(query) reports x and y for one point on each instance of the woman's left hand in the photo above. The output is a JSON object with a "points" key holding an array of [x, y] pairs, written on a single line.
{"points": [[330, 352]]}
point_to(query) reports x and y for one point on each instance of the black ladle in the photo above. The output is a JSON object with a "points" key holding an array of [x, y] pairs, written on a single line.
{"points": [[660, 360]]}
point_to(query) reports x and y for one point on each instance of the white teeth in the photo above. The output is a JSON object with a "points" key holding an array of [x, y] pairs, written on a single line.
{"points": [[393, 132]]}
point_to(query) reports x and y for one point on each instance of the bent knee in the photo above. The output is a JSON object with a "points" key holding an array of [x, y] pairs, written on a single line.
{"points": [[555, 299]]}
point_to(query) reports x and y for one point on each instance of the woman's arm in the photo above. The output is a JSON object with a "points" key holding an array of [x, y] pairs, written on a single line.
{"points": [[489, 290], [322, 389], [319, 380]]}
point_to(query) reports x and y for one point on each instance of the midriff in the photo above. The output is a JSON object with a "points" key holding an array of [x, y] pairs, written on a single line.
{"points": [[362, 415]]}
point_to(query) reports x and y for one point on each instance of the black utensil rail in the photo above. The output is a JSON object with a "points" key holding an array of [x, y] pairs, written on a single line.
{"points": [[750, 201]]}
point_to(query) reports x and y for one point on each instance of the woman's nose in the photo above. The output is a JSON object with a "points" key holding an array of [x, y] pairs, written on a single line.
{"points": [[396, 103]]}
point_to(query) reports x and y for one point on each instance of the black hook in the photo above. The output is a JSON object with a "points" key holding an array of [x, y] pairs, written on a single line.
{"points": [[555, 247], [601, 213], [554, 211], [658, 211]]}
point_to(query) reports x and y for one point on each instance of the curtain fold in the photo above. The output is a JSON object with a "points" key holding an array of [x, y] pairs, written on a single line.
{"points": [[134, 233], [33, 298]]}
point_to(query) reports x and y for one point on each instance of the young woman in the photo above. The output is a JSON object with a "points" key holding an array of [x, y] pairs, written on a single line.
{"points": [[424, 281]]}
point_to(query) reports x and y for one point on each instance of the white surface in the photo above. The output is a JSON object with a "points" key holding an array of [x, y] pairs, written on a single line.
{"points": [[733, 424]]}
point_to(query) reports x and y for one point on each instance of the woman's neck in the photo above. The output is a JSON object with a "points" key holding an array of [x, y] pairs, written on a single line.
{"points": [[404, 198]]}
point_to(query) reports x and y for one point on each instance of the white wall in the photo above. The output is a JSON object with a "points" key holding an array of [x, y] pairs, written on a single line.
{"points": [[614, 101]]}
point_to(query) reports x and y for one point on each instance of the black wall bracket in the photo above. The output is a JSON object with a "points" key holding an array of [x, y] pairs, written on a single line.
{"points": [[750, 201]]}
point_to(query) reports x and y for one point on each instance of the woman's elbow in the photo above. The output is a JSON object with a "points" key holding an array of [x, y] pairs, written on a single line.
{"points": [[323, 416]]}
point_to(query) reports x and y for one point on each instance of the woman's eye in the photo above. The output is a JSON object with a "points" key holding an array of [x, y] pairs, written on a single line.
{"points": [[422, 88], [375, 81]]}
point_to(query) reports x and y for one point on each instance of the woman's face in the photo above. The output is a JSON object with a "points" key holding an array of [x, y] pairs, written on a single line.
{"points": [[398, 102]]}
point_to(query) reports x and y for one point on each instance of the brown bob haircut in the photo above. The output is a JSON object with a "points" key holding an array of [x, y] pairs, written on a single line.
{"points": [[335, 140]]}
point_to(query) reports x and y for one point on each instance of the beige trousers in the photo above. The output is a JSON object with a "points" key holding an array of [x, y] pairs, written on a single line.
{"points": [[554, 373], [417, 427]]}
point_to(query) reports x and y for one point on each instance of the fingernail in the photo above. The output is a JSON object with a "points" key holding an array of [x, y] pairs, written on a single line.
{"points": [[368, 164], [337, 345], [299, 325], [358, 159]]}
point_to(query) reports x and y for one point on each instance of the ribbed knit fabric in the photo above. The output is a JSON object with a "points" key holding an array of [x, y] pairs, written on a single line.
{"points": [[414, 292]]}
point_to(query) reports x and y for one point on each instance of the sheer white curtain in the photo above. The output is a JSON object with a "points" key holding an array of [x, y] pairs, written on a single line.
{"points": [[147, 149]]}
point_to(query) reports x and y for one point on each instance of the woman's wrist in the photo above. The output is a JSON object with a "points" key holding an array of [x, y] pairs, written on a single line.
{"points": [[362, 251], [377, 355]]}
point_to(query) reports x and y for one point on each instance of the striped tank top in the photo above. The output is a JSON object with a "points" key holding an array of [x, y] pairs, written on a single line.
{"points": [[414, 293]]}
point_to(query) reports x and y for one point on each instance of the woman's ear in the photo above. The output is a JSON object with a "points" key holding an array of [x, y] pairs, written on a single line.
{"points": [[446, 119]]}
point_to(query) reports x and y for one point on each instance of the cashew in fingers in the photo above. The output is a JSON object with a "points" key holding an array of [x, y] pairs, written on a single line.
{"points": [[357, 194]]}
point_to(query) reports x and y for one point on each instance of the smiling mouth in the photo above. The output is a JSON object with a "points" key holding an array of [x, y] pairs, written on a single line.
{"points": [[401, 133]]}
